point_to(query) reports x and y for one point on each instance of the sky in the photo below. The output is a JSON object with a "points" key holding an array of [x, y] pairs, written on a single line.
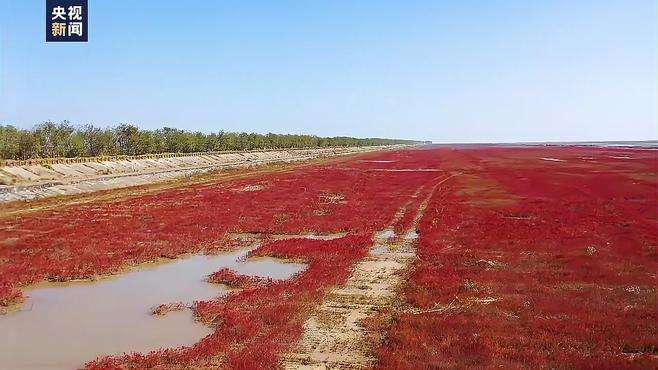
{"points": [[446, 71]]}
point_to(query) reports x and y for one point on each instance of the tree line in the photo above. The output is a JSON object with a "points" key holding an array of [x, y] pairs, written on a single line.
{"points": [[51, 140]]}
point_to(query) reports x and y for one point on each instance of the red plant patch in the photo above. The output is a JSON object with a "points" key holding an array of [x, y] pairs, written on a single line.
{"points": [[229, 278], [251, 326], [9, 295], [551, 264], [532, 257], [88, 240]]}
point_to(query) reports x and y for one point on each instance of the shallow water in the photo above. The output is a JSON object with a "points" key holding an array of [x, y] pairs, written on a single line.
{"points": [[411, 235], [384, 234], [312, 236], [552, 159], [64, 325]]}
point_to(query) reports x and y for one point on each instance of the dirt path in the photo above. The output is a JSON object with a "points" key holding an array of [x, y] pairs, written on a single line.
{"points": [[334, 336]]}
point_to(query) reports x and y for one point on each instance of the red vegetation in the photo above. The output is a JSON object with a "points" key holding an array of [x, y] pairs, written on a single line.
{"points": [[522, 261], [525, 262], [228, 277], [9, 295], [82, 241], [252, 325]]}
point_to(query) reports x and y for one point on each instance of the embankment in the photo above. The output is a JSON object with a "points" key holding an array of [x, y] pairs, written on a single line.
{"points": [[30, 179]]}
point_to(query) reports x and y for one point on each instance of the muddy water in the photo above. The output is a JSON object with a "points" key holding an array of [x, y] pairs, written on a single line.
{"points": [[63, 325]]}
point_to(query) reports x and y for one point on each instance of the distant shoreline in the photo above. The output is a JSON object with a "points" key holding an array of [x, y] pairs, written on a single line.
{"points": [[609, 144]]}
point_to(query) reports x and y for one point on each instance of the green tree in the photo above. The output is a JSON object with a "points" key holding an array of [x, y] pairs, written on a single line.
{"points": [[50, 139]]}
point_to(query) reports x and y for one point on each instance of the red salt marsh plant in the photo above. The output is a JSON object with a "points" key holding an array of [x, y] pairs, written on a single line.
{"points": [[551, 269], [231, 279], [88, 240], [252, 326], [522, 262], [9, 295]]}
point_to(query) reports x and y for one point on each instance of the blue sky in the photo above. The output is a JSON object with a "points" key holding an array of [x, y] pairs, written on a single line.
{"points": [[448, 71]]}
